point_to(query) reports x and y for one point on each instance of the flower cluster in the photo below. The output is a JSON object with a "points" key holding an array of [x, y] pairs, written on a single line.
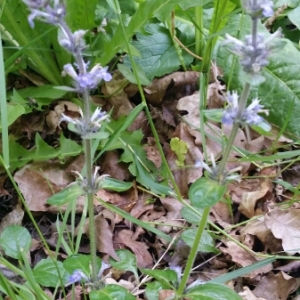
{"points": [[85, 127], [253, 52], [88, 80], [213, 171], [42, 10], [259, 8], [248, 116]]}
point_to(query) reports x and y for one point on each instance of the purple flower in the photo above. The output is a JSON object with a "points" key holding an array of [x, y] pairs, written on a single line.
{"points": [[42, 10], [248, 116], [253, 53], [73, 43], [89, 80], [259, 8], [77, 276]]}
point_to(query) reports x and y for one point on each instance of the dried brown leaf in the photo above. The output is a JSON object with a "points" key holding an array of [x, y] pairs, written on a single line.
{"points": [[140, 249], [276, 287], [285, 225], [244, 258], [246, 294], [15, 217]]}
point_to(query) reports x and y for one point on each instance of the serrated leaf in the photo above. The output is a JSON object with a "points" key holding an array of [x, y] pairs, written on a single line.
{"points": [[212, 291], [205, 192], [129, 75], [206, 244], [15, 239], [111, 292], [158, 53], [14, 111], [46, 273]]}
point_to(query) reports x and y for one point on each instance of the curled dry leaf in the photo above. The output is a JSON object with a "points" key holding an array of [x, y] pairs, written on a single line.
{"points": [[249, 199], [104, 236], [246, 294], [15, 217], [285, 225], [140, 249], [276, 286], [181, 82]]}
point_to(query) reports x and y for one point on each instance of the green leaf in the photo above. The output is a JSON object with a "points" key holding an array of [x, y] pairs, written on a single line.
{"points": [[111, 184], [158, 53], [70, 193], [206, 244], [129, 75], [48, 273], [44, 91], [15, 239], [180, 148], [205, 192], [127, 262], [152, 290], [192, 3], [191, 216], [212, 291], [111, 292], [14, 111], [168, 278], [80, 262]]}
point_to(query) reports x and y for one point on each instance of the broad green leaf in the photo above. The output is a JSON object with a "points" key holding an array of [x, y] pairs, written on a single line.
{"points": [[129, 75], [44, 91], [146, 10], [192, 3], [191, 216], [111, 184], [80, 262], [152, 290], [48, 273], [206, 244], [111, 292], [205, 192], [168, 278], [212, 291], [81, 14], [158, 54], [15, 239], [127, 262], [72, 192]]}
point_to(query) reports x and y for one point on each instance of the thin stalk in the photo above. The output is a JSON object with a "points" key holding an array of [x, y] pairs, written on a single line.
{"points": [[199, 38], [149, 117], [194, 251]]}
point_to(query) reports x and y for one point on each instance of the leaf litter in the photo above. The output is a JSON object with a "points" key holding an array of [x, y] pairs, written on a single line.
{"points": [[251, 214]]}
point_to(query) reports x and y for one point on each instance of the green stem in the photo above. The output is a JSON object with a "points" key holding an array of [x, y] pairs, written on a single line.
{"points": [[199, 41], [148, 114], [194, 251]]}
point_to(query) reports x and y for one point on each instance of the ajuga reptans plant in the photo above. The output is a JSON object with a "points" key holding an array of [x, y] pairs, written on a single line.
{"points": [[85, 79]]}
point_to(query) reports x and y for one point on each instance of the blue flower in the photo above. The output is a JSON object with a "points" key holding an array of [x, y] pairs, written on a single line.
{"points": [[248, 116], [73, 42], [259, 8], [88, 80], [41, 9], [77, 276]]}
